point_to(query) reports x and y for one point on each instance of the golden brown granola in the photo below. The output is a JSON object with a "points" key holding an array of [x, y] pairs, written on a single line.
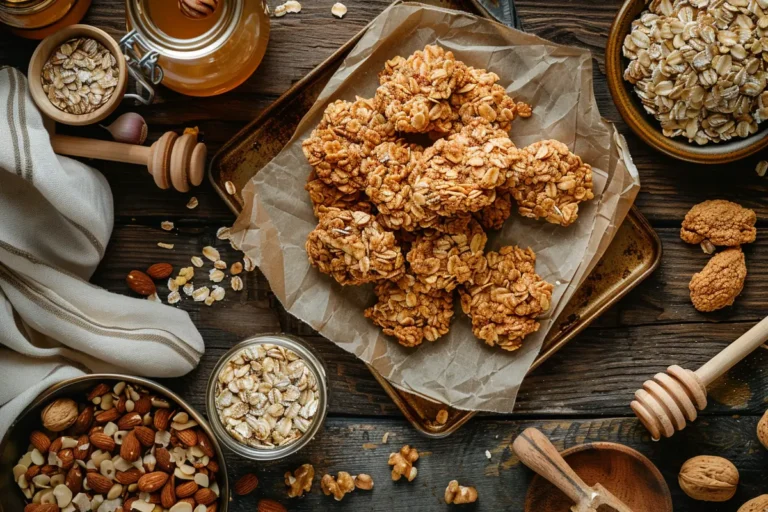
{"points": [[496, 214], [505, 298], [353, 248], [721, 222], [720, 281], [323, 195], [549, 182], [482, 97], [409, 313]]}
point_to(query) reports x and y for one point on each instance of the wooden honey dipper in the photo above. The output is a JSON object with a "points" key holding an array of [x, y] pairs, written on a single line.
{"points": [[172, 160], [669, 399]]}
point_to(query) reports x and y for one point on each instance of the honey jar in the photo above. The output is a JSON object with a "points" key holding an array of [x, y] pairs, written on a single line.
{"points": [[197, 57], [37, 19]]}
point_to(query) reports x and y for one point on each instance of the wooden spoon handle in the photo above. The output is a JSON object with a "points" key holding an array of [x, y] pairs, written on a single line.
{"points": [[537, 452], [733, 353], [100, 149]]}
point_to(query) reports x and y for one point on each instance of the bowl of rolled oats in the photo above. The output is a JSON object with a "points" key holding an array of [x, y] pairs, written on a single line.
{"points": [[689, 78], [111, 442], [78, 75], [267, 397]]}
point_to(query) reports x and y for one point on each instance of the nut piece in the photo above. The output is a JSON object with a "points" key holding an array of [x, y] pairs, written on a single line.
{"points": [[338, 486], [270, 506], [759, 504], [402, 463], [140, 283], [364, 482], [720, 281], [160, 270], [708, 478], [339, 10], [762, 430], [458, 494], [59, 415], [721, 222], [300, 481], [247, 484]]}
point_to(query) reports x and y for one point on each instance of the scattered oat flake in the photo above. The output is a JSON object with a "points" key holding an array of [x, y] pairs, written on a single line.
{"points": [[236, 268], [209, 300], [188, 289], [280, 11], [211, 253], [248, 264], [192, 203], [172, 284], [173, 297], [230, 188], [218, 293], [219, 264], [216, 275], [223, 233], [236, 283], [762, 167], [707, 247], [292, 7], [187, 273], [488, 454], [385, 438], [154, 298], [201, 294], [339, 10], [166, 225], [197, 261], [163, 245]]}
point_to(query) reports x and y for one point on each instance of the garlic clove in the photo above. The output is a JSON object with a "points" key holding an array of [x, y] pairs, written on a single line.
{"points": [[129, 128]]}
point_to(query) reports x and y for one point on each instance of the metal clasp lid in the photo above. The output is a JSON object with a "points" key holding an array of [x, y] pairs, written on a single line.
{"points": [[143, 68]]}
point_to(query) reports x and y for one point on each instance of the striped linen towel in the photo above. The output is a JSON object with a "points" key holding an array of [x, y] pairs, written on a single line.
{"points": [[55, 221]]}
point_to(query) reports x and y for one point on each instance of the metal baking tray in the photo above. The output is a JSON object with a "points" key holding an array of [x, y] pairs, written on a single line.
{"points": [[632, 256]]}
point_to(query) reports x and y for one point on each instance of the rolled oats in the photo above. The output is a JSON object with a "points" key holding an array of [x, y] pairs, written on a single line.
{"points": [[236, 283], [323, 195], [495, 214]]}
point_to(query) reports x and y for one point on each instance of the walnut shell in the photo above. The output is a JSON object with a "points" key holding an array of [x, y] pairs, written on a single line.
{"points": [[759, 504], [59, 415], [762, 430], [709, 478]]}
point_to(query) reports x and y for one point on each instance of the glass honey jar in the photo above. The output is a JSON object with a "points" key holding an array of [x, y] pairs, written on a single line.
{"points": [[197, 57], [37, 19]]}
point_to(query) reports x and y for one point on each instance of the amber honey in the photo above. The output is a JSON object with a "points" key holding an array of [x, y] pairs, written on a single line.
{"points": [[168, 18], [37, 19]]}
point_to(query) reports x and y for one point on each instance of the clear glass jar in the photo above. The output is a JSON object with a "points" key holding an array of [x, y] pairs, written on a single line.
{"points": [[313, 362], [196, 57], [37, 19]]}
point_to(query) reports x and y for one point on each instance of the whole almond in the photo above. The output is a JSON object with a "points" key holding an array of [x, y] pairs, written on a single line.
{"points": [[145, 435], [120, 406], [213, 507], [74, 479], [84, 421], [247, 484], [188, 437], [67, 458], [42, 507], [129, 420], [140, 283], [98, 390], [49, 470], [186, 489], [32, 472], [162, 419], [168, 494], [128, 477], [205, 496], [152, 482], [213, 466], [130, 450], [99, 483], [190, 500], [55, 445], [40, 441], [160, 271], [270, 506], [128, 503], [107, 416], [163, 458], [205, 444], [102, 441], [143, 405], [83, 448]]}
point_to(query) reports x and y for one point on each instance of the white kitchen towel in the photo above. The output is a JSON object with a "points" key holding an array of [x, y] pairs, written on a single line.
{"points": [[55, 221]]}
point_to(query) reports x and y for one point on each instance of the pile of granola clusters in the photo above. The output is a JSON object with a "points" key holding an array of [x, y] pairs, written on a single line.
{"points": [[412, 219]]}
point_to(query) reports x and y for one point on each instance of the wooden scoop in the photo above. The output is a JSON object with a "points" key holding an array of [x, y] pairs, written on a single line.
{"points": [[171, 160], [537, 452], [669, 399]]}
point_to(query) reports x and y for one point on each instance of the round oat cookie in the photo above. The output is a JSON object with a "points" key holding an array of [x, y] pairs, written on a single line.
{"points": [[482, 97]]}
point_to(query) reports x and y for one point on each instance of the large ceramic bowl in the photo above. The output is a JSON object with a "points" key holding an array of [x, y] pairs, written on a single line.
{"points": [[644, 125], [16, 440]]}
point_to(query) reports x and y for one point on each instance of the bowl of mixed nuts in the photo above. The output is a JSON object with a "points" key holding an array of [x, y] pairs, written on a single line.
{"points": [[111, 443], [78, 75], [689, 78], [267, 397]]}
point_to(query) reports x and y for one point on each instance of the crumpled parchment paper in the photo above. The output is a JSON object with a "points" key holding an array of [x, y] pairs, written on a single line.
{"points": [[458, 369]]}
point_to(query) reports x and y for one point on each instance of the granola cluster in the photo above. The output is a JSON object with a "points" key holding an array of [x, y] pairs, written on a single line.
{"points": [[410, 216]]}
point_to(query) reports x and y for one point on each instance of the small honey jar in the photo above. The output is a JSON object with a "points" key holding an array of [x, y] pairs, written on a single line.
{"points": [[195, 56], [37, 19]]}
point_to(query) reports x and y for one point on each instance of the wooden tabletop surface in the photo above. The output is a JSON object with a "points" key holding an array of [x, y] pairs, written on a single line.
{"points": [[581, 394]]}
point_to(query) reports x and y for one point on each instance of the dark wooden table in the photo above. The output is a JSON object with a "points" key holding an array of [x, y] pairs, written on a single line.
{"points": [[581, 394]]}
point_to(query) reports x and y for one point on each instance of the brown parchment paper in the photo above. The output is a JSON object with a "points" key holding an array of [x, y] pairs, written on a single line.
{"points": [[458, 369]]}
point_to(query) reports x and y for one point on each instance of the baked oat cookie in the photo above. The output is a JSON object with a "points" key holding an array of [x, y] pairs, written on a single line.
{"points": [[409, 314], [721, 222], [549, 182], [506, 297], [353, 248], [348, 132], [496, 214], [482, 97], [442, 261], [323, 196]]}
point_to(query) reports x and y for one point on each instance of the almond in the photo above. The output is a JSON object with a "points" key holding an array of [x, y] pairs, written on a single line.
{"points": [[205, 444], [186, 489], [74, 479], [160, 271], [213, 466], [163, 458], [151, 482], [168, 495], [120, 406], [32, 472], [145, 435], [205, 496], [131, 448], [99, 483], [247, 484], [107, 416], [143, 405], [102, 441], [67, 458], [42, 507], [55, 445], [128, 503], [270, 506], [131, 476], [213, 507], [98, 390], [83, 448], [187, 437], [49, 470], [40, 441], [191, 501], [140, 283], [162, 419], [84, 421], [128, 421]]}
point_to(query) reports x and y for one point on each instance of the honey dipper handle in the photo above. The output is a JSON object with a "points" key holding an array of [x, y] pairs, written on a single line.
{"points": [[100, 149], [733, 353], [537, 452]]}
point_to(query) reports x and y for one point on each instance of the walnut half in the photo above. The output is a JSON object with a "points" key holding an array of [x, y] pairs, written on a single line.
{"points": [[721, 222], [458, 494], [720, 281]]}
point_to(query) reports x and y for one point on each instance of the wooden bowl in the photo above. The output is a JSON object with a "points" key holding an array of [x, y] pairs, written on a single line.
{"points": [[40, 57], [648, 128], [628, 474]]}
